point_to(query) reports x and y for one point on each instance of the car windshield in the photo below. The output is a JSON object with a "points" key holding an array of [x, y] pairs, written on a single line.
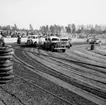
{"points": [[33, 37], [55, 39], [64, 39]]}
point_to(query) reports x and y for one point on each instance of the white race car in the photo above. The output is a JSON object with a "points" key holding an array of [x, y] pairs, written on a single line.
{"points": [[65, 42], [32, 40]]}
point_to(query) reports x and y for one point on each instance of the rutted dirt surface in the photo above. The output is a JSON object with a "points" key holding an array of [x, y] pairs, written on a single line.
{"points": [[29, 88], [21, 92]]}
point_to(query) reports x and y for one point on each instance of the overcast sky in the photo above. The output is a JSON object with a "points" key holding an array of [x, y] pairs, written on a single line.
{"points": [[50, 12]]}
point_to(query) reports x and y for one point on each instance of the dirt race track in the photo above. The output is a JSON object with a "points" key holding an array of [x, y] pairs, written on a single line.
{"points": [[76, 77]]}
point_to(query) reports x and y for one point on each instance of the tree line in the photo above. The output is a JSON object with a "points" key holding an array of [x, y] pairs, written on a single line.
{"points": [[54, 29], [72, 28]]}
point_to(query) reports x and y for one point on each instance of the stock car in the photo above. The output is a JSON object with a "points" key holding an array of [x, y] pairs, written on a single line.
{"points": [[65, 42], [53, 43], [32, 40]]}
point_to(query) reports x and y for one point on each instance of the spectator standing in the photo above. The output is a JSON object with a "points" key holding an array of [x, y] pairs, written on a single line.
{"points": [[19, 39], [2, 43]]}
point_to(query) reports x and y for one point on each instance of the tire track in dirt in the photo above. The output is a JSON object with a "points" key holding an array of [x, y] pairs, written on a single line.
{"points": [[43, 76], [70, 67]]}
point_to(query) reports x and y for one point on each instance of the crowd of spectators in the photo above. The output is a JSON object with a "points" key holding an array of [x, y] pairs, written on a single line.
{"points": [[6, 33]]}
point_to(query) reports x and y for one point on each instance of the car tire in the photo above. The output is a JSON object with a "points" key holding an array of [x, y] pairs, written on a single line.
{"points": [[63, 50], [68, 47]]}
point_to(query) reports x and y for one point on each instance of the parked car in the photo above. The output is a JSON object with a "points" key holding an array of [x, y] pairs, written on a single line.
{"points": [[97, 41], [90, 40], [93, 41]]}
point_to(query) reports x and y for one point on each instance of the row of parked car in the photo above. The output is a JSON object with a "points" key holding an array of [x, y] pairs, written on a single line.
{"points": [[93, 41], [49, 42]]}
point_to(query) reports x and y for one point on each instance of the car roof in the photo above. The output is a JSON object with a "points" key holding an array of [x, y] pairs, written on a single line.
{"points": [[63, 37], [54, 37]]}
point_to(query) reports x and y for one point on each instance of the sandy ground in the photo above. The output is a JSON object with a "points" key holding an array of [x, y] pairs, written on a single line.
{"points": [[18, 94]]}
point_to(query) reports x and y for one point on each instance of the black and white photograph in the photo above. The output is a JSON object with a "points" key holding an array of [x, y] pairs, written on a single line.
{"points": [[52, 52]]}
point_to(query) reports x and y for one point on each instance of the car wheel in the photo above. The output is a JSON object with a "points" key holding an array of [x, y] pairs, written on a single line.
{"points": [[68, 47], [63, 50]]}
